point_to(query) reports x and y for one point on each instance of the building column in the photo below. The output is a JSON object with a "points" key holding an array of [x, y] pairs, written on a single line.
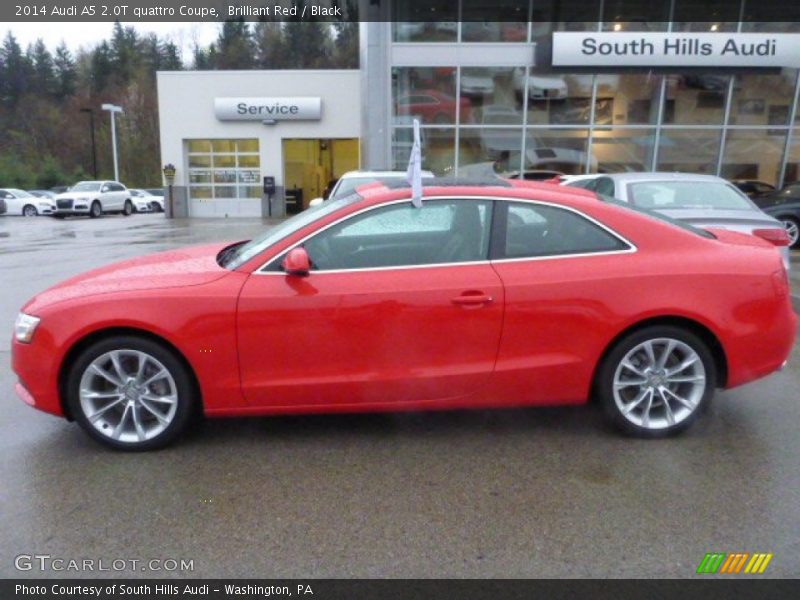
{"points": [[376, 88]]}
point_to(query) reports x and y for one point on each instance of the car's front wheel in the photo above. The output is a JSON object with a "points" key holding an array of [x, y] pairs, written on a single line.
{"points": [[656, 381], [130, 393], [29, 211], [96, 210], [128, 209]]}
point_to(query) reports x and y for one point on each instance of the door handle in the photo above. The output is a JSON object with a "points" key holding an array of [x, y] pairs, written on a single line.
{"points": [[472, 299]]}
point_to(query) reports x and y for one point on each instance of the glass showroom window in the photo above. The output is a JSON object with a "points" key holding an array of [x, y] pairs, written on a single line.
{"points": [[425, 21], [753, 154], [224, 169], [760, 99], [489, 151], [696, 99], [438, 149], [623, 150], [689, 150], [498, 21], [564, 150], [556, 99], [628, 99], [427, 93]]}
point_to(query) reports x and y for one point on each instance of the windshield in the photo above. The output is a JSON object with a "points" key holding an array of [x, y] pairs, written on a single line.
{"points": [[657, 215], [86, 186], [21, 193], [666, 195], [241, 254]]}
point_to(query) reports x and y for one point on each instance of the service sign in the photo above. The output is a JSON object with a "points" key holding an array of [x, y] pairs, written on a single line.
{"points": [[268, 109], [645, 49]]}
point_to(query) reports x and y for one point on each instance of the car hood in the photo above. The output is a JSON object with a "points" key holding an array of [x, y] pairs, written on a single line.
{"points": [[739, 220], [195, 265]]}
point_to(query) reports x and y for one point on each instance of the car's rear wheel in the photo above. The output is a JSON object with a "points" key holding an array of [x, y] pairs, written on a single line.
{"points": [[130, 393], [96, 210], [792, 227], [656, 381], [128, 210], [29, 211]]}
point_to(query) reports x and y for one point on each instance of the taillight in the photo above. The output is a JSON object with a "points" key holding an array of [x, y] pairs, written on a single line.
{"points": [[775, 236]]}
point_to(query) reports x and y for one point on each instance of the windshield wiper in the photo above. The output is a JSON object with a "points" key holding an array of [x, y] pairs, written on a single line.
{"points": [[227, 255]]}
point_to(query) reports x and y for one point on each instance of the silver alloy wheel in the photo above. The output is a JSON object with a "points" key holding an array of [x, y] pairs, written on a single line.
{"points": [[659, 383], [792, 230], [29, 211], [128, 395]]}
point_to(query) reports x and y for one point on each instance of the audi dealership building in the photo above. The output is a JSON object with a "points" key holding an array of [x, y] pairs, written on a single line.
{"points": [[499, 87]]}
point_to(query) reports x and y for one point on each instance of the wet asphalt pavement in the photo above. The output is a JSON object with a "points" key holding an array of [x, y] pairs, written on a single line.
{"points": [[516, 493]]}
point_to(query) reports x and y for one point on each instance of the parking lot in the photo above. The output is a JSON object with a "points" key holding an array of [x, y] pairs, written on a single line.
{"points": [[513, 493]]}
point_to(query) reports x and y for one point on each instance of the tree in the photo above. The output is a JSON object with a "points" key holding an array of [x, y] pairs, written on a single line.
{"points": [[102, 67], [125, 55], [64, 72], [235, 46], [270, 42], [44, 78], [308, 44], [17, 71]]}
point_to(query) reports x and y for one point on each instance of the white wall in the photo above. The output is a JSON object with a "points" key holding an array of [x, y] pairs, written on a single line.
{"points": [[186, 111]]}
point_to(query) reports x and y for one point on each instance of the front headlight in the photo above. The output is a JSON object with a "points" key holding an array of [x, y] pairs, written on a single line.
{"points": [[25, 327]]}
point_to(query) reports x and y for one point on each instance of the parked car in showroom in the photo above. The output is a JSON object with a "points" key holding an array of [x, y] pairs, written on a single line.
{"points": [[784, 205], [508, 293], [22, 203], [540, 87], [94, 198], [700, 200], [432, 106], [144, 201]]}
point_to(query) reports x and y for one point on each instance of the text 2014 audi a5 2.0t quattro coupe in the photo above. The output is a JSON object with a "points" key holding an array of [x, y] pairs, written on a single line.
{"points": [[489, 295]]}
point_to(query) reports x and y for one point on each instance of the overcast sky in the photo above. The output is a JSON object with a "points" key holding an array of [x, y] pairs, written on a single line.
{"points": [[88, 34]]}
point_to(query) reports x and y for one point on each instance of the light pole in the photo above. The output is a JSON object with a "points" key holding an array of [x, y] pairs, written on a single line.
{"points": [[94, 147], [113, 109]]}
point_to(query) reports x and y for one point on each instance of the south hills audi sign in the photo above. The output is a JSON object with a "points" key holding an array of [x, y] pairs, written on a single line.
{"points": [[629, 49]]}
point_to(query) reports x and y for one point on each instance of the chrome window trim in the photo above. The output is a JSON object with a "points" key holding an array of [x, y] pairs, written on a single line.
{"points": [[631, 247]]}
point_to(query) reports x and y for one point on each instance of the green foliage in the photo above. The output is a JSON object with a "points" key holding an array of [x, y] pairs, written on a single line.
{"points": [[50, 174], [14, 173]]}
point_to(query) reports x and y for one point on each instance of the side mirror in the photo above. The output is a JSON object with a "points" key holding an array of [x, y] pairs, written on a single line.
{"points": [[297, 262]]}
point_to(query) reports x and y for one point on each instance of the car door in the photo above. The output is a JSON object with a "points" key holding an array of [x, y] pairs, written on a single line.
{"points": [[402, 306], [559, 269]]}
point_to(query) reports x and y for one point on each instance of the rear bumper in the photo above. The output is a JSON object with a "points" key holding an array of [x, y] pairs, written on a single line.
{"points": [[763, 350]]}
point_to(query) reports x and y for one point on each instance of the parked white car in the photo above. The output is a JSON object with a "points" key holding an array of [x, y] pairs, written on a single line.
{"points": [[352, 179], [94, 198], [20, 202], [144, 201]]}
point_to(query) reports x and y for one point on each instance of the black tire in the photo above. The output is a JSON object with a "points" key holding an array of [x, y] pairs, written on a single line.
{"points": [[96, 210], [186, 392], [29, 210], [702, 391], [128, 209], [786, 222]]}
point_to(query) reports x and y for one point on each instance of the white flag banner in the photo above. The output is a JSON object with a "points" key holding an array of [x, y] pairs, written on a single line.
{"points": [[414, 172]]}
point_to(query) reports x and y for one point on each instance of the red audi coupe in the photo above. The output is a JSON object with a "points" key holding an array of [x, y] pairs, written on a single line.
{"points": [[509, 293]]}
